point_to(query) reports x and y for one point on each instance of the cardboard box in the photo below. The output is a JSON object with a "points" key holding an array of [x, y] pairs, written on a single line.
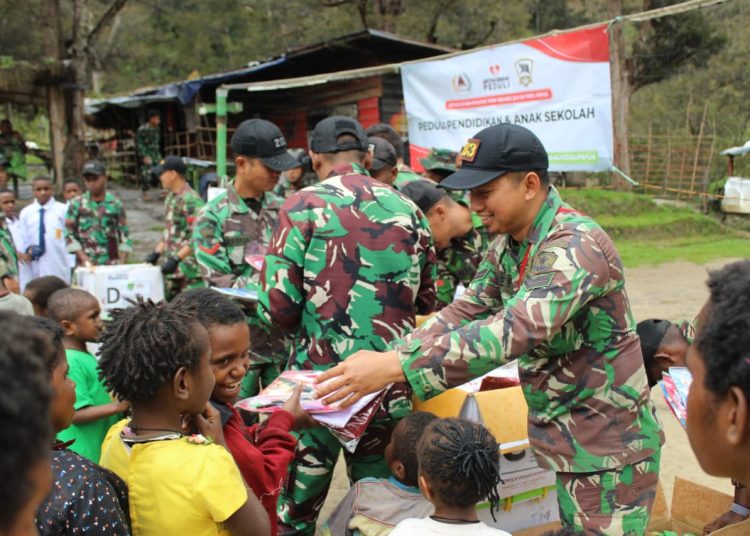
{"points": [[113, 284], [528, 491]]}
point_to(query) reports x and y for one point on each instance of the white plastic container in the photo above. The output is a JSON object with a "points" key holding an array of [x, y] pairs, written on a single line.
{"points": [[736, 196], [113, 284]]}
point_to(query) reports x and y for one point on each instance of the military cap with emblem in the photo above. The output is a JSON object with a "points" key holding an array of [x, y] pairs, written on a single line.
{"points": [[258, 138], [495, 151], [439, 160], [383, 153], [93, 167], [170, 163]]}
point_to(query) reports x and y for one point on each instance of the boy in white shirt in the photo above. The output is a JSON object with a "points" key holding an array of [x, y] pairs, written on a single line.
{"points": [[42, 224], [8, 206]]}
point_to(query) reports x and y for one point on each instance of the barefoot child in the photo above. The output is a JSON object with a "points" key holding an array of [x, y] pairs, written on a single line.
{"points": [[262, 452], [374, 506], [159, 358], [77, 312], [458, 467]]}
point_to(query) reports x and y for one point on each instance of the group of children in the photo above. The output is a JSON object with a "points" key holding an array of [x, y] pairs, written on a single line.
{"points": [[146, 439]]}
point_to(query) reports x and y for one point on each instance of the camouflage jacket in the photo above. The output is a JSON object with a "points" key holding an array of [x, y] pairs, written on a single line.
{"points": [[458, 263], [230, 241], [284, 188], [99, 228], [567, 320], [405, 176], [349, 267], [180, 212], [8, 255], [148, 143]]}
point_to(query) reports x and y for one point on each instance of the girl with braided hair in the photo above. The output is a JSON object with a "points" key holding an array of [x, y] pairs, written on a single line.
{"points": [[458, 467]]}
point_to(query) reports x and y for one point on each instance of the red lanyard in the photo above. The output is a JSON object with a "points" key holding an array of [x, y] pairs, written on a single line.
{"points": [[522, 269]]}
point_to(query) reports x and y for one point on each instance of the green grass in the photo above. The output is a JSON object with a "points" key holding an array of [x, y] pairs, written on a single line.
{"points": [[646, 233]]}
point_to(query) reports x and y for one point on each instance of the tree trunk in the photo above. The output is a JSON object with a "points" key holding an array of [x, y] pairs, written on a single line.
{"points": [[621, 91], [75, 150], [53, 52]]}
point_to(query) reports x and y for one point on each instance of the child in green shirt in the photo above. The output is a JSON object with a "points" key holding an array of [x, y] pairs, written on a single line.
{"points": [[77, 311]]}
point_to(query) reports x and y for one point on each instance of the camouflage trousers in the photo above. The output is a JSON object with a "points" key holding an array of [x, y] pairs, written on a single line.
{"points": [[174, 285], [312, 470], [609, 503], [317, 452]]}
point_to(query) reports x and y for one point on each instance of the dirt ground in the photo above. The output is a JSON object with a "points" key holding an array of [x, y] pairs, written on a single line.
{"points": [[675, 291]]}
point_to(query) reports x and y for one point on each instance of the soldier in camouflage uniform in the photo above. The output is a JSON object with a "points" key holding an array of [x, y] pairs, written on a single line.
{"points": [[388, 133], [181, 207], [148, 147], [8, 257], [550, 293], [232, 232], [96, 229], [460, 238], [348, 268], [298, 177]]}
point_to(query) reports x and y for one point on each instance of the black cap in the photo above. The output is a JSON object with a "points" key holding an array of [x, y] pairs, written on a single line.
{"points": [[258, 138], [651, 332], [329, 129], [170, 163], [495, 151], [424, 193], [152, 113], [93, 167], [383, 153]]}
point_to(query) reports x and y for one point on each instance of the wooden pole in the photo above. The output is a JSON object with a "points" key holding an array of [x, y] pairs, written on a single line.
{"points": [[620, 89], [698, 147]]}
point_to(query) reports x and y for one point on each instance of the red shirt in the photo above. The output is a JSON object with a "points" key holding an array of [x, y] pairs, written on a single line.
{"points": [[263, 453]]}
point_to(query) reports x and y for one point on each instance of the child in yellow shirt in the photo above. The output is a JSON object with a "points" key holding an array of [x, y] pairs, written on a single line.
{"points": [[158, 358]]}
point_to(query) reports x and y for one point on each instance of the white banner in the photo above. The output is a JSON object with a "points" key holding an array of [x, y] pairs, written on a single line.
{"points": [[556, 86]]}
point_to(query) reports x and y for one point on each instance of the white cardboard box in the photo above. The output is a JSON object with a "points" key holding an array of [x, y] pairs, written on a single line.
{"points": [[113, 284]]}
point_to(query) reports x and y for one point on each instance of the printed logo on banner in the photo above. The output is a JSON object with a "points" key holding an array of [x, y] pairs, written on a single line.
{"points": [[461, 83], [496, 81], [524, 68]]}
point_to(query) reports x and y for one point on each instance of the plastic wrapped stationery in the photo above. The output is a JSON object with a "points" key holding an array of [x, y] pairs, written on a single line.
{"points": [[675, 385], [346, 425]]}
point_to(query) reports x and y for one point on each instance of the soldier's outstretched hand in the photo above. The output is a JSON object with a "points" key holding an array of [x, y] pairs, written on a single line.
{"points": [[360, 374]]}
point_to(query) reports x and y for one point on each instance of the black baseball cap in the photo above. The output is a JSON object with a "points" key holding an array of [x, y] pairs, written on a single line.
{"points": [[93, 167], [495, 151], [258, 138], [424, 193], [383, 153], [170, 163], [326, 133]]}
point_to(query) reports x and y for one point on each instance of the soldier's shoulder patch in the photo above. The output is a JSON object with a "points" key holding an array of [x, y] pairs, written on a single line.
{"points": [[543, 262], [470, 150]]}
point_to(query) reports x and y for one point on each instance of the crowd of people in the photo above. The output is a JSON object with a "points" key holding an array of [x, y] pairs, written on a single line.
{"points": [[345, 246]]}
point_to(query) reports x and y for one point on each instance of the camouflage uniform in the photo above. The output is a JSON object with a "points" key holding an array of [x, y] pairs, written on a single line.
{"points": [[8, 255], [230, 241], [147, 143], [284, 188], [567, 320], [458, 263], [99, 228], [348, 268], [405, 176], [181, 209]]}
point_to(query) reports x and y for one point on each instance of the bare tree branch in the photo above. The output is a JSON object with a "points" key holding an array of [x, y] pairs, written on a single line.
{"points": [[102, 23]]}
